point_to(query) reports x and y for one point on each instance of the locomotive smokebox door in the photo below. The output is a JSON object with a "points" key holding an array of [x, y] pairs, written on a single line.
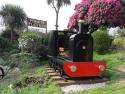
{"points": [[81, 45]]}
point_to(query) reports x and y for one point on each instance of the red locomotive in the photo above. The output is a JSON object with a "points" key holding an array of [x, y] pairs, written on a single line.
{"points": [[71, 53]]}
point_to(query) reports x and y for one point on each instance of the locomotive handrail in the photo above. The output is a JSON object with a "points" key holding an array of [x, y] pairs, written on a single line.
{"points": [[65, 59]]}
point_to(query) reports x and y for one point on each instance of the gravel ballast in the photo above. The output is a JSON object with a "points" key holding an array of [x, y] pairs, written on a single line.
{"points": [[81, 87]]}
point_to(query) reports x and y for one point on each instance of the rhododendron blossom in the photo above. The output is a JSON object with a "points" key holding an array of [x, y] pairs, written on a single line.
{"points": [[98, 13]]}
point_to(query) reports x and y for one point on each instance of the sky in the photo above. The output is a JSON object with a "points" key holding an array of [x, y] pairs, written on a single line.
{"points": [[38, 9]]}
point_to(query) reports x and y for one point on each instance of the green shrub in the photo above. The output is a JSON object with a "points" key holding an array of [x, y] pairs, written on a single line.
{"points": [[45, 39], [119, 43], [4, 43], [7, 34], [102, 41], [14, 51], [3, 62], [32, 42], [121, 32], [28, 41], [24, 60]]}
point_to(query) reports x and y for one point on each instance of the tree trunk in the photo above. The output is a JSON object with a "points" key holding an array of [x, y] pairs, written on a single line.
{"points": [[11, 36], [57, 16]]}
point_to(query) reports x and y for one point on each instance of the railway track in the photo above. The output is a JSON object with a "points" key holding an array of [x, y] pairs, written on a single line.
{"points": [[66, 81]]}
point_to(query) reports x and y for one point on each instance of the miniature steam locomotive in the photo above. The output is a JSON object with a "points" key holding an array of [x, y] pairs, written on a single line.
{"points": [[71, 53]]}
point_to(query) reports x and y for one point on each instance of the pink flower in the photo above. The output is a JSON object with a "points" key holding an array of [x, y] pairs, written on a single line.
{"points": [[99, 12]]}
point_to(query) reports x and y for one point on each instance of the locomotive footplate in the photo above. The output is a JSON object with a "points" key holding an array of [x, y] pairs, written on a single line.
{"points": [[77, 69], [84, 69], [58, 59]]}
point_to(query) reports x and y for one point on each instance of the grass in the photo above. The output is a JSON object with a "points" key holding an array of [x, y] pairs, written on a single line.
{"points": [[113, 60], [51, 89], [47, 87]]}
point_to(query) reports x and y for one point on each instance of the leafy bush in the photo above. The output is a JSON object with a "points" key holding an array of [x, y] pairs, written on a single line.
{"points": [[4, 43], [102, 41], [45, 39], [119, 43], [7, 34], [24, 60], [32, 42], [14, 51], [28, 41], [121, 32], [3, 62]]}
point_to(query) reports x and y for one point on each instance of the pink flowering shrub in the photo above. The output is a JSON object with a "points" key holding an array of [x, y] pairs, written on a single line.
{"points": [[98, 13], [81, 10]]}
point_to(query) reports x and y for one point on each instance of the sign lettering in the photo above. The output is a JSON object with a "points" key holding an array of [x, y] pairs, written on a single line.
{"points": [[37, 23]]}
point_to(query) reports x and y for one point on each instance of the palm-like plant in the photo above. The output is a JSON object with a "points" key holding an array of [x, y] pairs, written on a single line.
{"points": [[57, 4], [13, 17]]}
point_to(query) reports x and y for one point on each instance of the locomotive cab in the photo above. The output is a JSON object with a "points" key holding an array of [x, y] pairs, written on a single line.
{"points": [[59, 43]]}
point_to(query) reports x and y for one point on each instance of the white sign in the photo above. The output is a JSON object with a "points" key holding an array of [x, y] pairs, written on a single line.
{"points": [[37, 23]]}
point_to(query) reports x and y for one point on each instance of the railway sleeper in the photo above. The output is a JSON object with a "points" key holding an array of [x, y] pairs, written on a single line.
{"points": [[58, 67]]}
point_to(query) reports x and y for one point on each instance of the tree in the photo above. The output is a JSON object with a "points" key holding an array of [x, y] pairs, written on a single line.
{"points": [[96, 13], [14, 17], [57, 4]]}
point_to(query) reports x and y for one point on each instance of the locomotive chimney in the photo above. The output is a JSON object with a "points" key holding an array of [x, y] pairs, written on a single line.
{"points": [[83, 28]]}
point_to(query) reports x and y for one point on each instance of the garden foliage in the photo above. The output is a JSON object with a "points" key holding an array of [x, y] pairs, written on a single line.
{"points": [[45, 39], [102, 41], [4, 43], [98, 13], [32, 42], [121, 32], [119, 43], [23, 60], [7, 34]]}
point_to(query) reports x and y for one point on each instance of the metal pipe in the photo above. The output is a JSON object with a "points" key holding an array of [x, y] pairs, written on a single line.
{"points": [[83, 28]]}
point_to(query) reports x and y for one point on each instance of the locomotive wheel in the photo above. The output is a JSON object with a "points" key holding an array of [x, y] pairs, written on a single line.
{"points": [[50, 63], [58, 68], [54, 66], [1, 73], [61, 71]]}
